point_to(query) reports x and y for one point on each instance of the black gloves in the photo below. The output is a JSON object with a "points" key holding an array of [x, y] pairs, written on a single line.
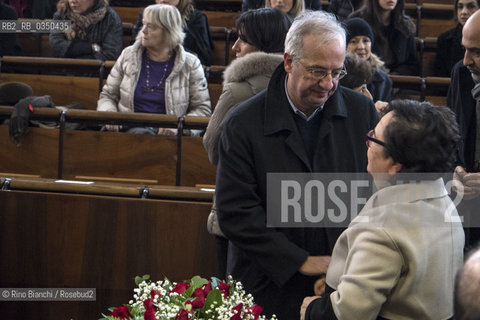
{"points": [[19, 120]]}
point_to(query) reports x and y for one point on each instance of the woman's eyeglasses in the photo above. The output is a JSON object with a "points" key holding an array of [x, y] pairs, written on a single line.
{"points": [[369, 137]]}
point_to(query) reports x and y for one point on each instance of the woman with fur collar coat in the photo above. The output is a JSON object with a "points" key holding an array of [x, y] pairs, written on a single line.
{"points": [[259, 50]]}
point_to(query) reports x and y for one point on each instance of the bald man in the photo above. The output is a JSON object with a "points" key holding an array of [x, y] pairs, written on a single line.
{"points": [[464, 99], [467, 289]]}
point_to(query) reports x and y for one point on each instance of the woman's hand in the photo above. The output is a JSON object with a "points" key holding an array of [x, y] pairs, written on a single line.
{"points": [[167, 131], [111, 127]]}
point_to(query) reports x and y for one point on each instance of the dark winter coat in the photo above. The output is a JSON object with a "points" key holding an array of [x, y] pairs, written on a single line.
{"points": [[460, 100], [449, 51], [108, 33]]}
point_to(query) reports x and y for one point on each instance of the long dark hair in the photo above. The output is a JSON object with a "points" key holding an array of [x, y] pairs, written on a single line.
{"points": [[370, 11]]}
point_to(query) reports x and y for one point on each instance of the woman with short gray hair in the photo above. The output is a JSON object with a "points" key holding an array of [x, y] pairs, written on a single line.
{"points": [[155, 74]]}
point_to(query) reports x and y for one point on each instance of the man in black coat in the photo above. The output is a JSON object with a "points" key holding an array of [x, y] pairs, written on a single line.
{"points": [[464, 99], [303, 122]]}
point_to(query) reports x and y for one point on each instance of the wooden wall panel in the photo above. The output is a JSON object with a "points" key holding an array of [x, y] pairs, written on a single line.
{"points": [[80, 241]]}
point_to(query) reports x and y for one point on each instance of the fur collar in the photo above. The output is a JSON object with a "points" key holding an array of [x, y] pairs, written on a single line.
{"points": [[252, 64]]}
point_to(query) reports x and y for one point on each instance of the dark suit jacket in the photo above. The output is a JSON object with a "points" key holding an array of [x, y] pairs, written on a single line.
{"points": [[261, 136], [460, 100], [449, 51]]}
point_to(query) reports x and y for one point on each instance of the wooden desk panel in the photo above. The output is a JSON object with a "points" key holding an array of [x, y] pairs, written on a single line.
{"points": [[56, 240]]}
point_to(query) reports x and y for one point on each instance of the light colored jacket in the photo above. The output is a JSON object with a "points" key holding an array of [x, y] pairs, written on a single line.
{"points": [[401, 264], [243, 78], [186, 89]]}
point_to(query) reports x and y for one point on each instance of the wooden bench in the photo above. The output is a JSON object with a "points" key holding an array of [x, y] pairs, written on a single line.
{"points": [[64, 90], [128, 14], [108, 156], [431, 19], [60, 78], [223, 40], [433, 89], [222, 18], [100, 235]]}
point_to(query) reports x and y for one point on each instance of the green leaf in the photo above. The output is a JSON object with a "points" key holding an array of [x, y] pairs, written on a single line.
{"points": [[139, 280], [198, 282], [213, 296]]}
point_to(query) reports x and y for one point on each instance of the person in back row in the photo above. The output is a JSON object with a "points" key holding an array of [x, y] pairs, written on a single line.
{"points": [[360, 39], [195, 25], [96, 31], [259, 51], [449, 43], [155, 74], [394, 34]]}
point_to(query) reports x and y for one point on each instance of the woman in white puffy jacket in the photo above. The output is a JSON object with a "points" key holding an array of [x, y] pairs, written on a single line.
{"points": [[156, 75]]}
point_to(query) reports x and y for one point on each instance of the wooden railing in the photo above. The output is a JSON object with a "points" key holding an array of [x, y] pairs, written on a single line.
{"points": [[108, 156]]}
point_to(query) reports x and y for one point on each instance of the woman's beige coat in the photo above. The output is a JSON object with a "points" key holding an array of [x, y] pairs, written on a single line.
{"points": [[186, 89]]}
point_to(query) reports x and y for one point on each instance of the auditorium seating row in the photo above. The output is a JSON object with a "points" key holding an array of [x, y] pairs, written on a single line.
{"points": [[90, 154], [59, 234], [37, 45], [235, 5], [431, 19], [78, 80]]}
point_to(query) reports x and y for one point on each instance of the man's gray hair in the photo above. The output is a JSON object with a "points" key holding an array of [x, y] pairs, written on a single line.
{"points": [[313, 22]]}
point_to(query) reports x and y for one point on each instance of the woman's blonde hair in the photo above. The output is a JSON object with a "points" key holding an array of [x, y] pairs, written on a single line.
{"points": [[168, 18], [298, 7]]}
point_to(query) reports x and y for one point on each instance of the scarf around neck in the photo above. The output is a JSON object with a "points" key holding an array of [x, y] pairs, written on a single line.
{"points": [[81, 22]]}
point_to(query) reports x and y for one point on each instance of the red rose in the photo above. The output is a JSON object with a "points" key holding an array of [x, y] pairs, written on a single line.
{"points": [[224, 289], [207, 288], [254, 310], [199, 300], [148, 304], [182, 315], [237, 315], [149, 315], [180, 288], [121, 313], [154, 293]]}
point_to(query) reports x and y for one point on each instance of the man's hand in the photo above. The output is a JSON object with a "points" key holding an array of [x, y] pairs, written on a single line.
{"points": [[466, 184], [319, 285], [380, 105], [315, 265], [303, 308]]}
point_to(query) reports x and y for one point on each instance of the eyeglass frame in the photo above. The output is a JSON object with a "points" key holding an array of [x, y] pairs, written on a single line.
{"points": [[369, 137], [342, 72]]}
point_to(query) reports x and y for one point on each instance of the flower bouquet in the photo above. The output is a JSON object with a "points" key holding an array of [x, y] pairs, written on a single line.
{"points": [[196, 299]]}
